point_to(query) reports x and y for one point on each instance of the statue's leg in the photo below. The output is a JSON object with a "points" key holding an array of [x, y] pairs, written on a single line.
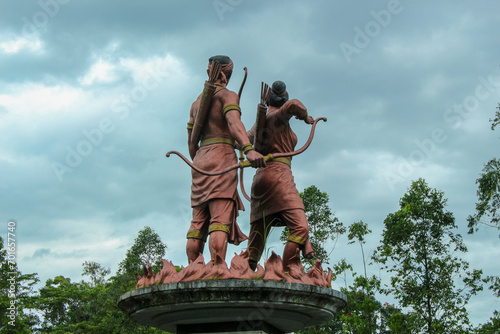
{"points": [[298, 238], [290, 250], [197, 234], [256, 242], [221, 213], [193, 249], [217, 244]]}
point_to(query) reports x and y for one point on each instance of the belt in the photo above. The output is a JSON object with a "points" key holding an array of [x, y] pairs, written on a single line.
{"points": [[284, 160], [217, 140]]}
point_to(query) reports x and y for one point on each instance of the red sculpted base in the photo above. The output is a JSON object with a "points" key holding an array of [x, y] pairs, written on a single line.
{"points": [[239, 269]]}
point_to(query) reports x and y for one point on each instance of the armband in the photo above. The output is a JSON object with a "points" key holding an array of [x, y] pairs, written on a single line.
{"points": [[190, 125], [231, 107], [246, 148]]}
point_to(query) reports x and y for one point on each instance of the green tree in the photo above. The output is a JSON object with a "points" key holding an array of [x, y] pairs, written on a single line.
{"points": [[360, 314], [340, 270], [365, 314], [16, 295], [80, 308], [491, 327], [323, 225], [64, 304], [357, 232], [419, 247], [395, 321], [488, 210], [488, 193], [495, 121], [91, 307], [147, 249], [96, 272], [363, 305]]}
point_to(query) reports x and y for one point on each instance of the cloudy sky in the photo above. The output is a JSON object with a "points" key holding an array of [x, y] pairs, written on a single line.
{"points": [[94, 93]]}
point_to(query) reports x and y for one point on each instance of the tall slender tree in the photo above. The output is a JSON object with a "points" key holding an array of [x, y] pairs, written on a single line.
{"points": [[357, 232], [488, 193], [488, 214], [362, 292], [420, 248]]}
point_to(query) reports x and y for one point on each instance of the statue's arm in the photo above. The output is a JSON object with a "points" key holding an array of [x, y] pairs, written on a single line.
{"points": [[294, 108], [237, 130], [250, 135], [232, 113]]}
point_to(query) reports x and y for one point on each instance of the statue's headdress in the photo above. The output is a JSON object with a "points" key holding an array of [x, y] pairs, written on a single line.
{"points": [[226, 64], [278, 95]]}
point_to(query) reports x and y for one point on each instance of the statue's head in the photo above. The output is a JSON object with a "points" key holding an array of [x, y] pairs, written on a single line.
{"points": [[226, 62], [278, 95]]}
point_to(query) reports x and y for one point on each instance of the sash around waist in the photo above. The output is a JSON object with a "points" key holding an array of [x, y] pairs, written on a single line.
{"points": [[217, 140]]}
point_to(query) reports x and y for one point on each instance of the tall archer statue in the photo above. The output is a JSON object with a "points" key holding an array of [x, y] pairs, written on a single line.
{"points": [[214, 128]]}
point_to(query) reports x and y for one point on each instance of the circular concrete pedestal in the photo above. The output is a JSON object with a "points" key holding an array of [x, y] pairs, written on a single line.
{"points": [[233, 305]]}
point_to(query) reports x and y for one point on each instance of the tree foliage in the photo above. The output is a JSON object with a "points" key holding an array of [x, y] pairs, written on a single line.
{"points": [[16, 296], [363, 313], [65, 304], [357, 232], [491, 327], [360, 314], [147, 249], [489, 197], [488, 214], [81, 307], [362, 303], [495, 121], [488, 193], [96, 272], [419, 247]]}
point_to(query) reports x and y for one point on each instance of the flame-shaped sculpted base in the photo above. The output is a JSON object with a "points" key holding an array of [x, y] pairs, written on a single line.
{"points": [[198, 270], [167, 274]]}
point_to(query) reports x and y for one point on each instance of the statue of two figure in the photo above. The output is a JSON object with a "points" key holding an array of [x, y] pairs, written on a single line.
{"points": [[215, 130]]}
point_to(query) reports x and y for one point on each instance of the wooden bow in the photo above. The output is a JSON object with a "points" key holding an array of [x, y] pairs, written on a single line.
{"points": [[247, 163]]}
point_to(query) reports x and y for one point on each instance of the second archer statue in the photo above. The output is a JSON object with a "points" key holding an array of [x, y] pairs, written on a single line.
{"points": [[275, 200]]}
